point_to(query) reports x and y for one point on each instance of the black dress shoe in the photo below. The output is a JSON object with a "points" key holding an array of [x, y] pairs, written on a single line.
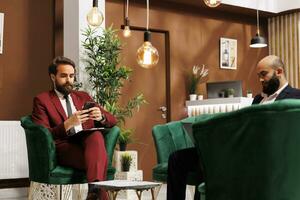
{"points": [[92, 196]]}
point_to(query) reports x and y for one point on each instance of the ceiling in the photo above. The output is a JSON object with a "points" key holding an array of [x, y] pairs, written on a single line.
{"points": [[239, 8]]}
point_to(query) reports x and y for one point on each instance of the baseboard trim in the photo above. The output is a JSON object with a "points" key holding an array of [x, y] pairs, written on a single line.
{"points": [[14, 183]]}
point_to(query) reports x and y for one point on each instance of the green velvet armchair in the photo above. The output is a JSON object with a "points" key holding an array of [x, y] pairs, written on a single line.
{"points": [[168, 138], [252, 153], [43, 166]]}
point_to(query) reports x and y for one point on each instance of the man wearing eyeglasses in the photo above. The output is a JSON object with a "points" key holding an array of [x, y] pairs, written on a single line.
{"points": [[271, 73]]}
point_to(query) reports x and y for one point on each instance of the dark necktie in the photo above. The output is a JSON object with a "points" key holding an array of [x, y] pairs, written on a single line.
{"points": [[69, 110]]}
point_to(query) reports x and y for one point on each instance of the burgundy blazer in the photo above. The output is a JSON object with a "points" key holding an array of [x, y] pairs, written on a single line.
{"points": [[48, 112]]}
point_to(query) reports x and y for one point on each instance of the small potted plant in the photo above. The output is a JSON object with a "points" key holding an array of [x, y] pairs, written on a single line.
{"points": [[126, 161], [230, 92], [125, 138], [196, 77]]}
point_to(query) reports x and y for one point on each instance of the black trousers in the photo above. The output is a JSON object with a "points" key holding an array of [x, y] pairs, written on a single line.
{"points": [[180, 163]]}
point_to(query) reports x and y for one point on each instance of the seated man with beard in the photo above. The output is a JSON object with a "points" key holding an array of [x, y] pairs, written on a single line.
{"points": [[270, 71], [61, 111]]}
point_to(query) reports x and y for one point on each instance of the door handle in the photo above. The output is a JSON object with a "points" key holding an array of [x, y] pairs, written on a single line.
{"points": [[163, 108]]}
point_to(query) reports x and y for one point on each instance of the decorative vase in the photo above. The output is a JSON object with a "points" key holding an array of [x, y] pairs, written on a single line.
{"points": [[249, 95], [200, 97], [193, 97], [230, 96]]}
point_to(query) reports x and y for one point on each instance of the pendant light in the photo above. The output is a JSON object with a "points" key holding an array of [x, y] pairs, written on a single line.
{"points": [[94, 16], [212, 3], [258, 41], [147, 55], [126, 31]]}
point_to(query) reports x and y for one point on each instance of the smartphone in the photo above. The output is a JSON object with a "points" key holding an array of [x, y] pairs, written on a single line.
{"points": [[88, 104]]}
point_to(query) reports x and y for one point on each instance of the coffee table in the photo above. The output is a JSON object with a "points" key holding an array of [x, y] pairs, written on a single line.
{"points": [[114, 186]]}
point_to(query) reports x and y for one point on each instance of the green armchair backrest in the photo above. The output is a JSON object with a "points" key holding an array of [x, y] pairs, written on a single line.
{"points": [[169, 138], [43, 166], [252, 153]]}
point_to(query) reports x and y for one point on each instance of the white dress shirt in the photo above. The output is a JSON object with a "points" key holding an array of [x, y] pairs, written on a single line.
{"points": [[270, 99], [62, 99]]}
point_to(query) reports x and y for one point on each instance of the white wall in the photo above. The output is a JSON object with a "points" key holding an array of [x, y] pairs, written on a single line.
{"points": [[274, 6], [75, 22]]}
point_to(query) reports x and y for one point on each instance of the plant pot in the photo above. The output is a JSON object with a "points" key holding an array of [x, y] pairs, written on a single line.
{"points": [[125, 168], [230, 96], [249, 95], [193, 97], [122, 146]]}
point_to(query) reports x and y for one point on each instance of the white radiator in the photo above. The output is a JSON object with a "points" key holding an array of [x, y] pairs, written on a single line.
{"points": [[13, 151]]}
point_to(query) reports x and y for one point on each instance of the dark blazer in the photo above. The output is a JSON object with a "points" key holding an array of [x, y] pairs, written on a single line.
{"points": [[287, 93], [48, 112]]}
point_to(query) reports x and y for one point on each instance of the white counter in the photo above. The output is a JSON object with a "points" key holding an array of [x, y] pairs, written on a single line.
{"points": [[217, 105]]}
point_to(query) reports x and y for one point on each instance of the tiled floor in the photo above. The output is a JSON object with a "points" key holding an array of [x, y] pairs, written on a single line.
{"points": [[163, 194]]}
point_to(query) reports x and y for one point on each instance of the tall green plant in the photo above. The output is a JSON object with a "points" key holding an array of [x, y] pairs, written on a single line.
{"points": [[106, 74]]}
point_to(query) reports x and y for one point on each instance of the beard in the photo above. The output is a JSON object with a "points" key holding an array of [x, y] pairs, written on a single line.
{"points": [[271, 86], [65, 89]]}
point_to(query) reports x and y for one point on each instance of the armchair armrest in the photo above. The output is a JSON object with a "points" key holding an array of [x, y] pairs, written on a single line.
{"points": [[111, 137], [40, 149]]}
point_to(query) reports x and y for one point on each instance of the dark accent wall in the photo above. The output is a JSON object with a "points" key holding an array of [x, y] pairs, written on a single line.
{"points": [[194, 40], [28, 48]]}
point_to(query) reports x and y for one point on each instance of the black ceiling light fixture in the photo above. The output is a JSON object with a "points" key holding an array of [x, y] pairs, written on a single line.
{"points": [[258, 41]]}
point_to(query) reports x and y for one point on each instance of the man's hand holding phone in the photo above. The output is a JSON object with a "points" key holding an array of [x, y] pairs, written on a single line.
{"points": [[93, 111]]}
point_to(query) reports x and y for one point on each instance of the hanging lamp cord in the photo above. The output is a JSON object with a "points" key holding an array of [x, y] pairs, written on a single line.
{"points": [[147, 27], [127, 5], [257, 20]]}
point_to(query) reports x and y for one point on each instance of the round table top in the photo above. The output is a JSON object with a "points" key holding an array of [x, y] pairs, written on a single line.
{"points": [[126, 184]]}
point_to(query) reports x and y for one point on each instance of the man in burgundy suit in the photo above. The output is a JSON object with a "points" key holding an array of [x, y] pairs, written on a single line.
{"points": [[61, 111]]}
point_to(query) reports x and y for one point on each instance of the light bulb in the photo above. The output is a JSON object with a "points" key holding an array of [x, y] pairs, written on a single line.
{"points": [[95, 17], [212, 3], [126, 32], [147, 55]]}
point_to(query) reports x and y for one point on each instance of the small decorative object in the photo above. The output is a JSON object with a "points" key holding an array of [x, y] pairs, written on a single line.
{"points": [[249, 94], [197, 77], [221, 94], [228, 53], [200, 97], [229, 92], [126, 160], [125, 138], [1, 31]]}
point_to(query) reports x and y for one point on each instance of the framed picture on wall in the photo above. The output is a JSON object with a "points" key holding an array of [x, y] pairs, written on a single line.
{"points": [[228, 53], [1, 31]]}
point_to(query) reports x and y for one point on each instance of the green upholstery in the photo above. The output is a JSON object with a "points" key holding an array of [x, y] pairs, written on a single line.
{"points": [[252, 153], [168, 138], [43, 167]]}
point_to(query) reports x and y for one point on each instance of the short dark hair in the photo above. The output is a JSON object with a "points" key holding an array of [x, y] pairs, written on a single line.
{"points": [[52, 69]]}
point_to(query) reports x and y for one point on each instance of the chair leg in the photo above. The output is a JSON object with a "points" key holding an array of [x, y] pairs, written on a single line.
{"points": [[60, 192], [156, 191], [30, 192]]}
